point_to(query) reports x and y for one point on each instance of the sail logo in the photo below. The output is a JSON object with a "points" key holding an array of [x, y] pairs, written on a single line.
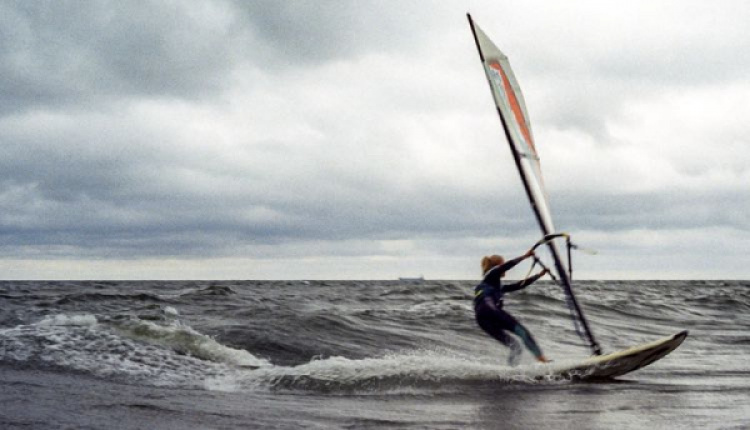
{"points": [[497, 79], [501, 82]]}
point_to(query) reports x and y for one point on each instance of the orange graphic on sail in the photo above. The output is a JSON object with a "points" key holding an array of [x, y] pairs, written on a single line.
{"points": [[515, 106]]}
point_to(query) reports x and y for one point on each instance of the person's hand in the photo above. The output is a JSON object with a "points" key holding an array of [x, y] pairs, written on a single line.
{"points": [[544, 271]]}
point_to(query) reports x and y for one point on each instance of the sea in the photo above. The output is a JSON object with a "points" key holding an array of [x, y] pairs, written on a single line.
{"points": [[361, 355]]}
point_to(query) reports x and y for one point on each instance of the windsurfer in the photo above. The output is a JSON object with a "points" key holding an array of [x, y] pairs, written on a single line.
{"points": [[488, 306]]}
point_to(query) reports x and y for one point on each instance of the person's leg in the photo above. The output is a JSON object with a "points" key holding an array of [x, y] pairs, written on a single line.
{"points": [[528, 340], [492, 325], [512, 325]]}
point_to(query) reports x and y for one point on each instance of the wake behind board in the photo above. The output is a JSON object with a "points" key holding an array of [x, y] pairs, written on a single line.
{"points": [[619, 363]]}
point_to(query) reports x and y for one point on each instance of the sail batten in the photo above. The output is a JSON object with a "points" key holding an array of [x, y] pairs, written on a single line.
{"points": [[511, 107]]}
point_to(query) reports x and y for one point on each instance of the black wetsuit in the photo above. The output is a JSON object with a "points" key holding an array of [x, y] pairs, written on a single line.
{"points": [[488, 308]]}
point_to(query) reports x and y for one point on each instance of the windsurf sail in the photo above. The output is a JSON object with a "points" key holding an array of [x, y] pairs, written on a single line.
{"points": [[511, 108]]}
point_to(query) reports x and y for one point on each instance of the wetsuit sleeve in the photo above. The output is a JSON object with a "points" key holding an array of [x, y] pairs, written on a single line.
{"points": [[510, 264], [521, 285], [493, 276]]}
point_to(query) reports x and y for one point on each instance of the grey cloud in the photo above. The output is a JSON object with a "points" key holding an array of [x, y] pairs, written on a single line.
{"points": [[57, 53], [63, 54], [679, 210], [102, 103], [121, 186], [302, 31]]}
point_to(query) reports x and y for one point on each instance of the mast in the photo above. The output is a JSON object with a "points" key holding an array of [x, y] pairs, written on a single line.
{"points": [[568, 288], [513, 115]]}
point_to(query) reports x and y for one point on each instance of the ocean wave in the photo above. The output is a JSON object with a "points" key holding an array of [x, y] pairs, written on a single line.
{"points": [[211, 290], [399, 289], [130, 350], [183, 339], [107, 297], [264, 335]]}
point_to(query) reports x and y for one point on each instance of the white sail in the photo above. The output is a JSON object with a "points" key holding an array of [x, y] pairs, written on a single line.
{"points": [[512, 109]]}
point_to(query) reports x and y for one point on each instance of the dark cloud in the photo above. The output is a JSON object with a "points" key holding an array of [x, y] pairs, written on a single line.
{"points": [[56, 53], [78, 54], [147, 130], [106, 184]]}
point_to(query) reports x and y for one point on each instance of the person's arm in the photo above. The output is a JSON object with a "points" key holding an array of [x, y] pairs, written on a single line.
{"points": [[525, 283], [494, 274], [511, 263]]}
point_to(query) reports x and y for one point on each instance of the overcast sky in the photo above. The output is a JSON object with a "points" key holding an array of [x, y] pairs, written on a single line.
{"points": [[355, 140]]}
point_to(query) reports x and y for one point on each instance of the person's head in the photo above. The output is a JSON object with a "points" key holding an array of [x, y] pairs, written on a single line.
{"points": [[488, 262]]}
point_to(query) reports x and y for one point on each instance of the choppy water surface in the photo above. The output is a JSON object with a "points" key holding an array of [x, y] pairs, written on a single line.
{"points": [[224, 355]]}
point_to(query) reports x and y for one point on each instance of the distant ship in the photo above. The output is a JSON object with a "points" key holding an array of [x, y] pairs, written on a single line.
{"points": [[419, 278]]}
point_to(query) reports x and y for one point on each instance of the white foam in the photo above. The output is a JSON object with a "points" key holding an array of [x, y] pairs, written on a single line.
{"points": [[184, 339], [170, 311], [173, 355], [395, 371], [68, 320]]}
